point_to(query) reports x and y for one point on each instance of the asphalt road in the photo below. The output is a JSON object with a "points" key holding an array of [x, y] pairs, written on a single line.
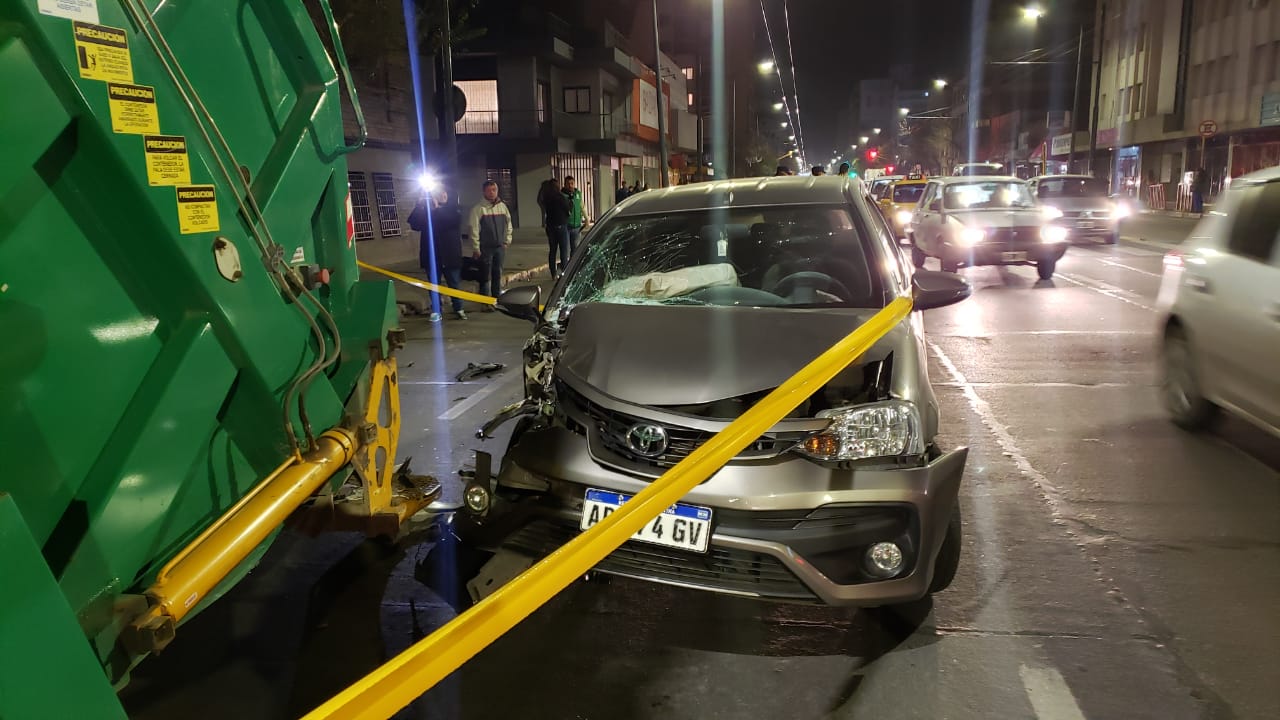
{"points": [[1114, 566]]}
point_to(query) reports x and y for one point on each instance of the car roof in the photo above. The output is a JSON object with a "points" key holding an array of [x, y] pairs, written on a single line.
{"points": [[909, 181], [746, 192], [1267, 175], [1067, 176], [957, 179]]}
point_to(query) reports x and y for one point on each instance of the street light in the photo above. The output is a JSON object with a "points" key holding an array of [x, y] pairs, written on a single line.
{"points": [[904, 111], [875, 130], [784, 123], [864, 139], [1031, 13], [791, 137], [777, 106], [766, 67], [939, 83]]}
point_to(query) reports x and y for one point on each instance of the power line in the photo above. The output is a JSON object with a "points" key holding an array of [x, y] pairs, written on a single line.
{"points": [[777, 67], [795, 85]]}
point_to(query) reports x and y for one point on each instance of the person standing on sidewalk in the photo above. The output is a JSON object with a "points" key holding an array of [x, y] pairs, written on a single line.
{"points": [[555, 208], [577, 215], [446, 238], [490, 226]]}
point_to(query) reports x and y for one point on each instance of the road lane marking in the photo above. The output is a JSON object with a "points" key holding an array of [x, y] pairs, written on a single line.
{"points": [[1049, 694], [456, 411], [1113, 263], [1137, 252], [1111, 291]]}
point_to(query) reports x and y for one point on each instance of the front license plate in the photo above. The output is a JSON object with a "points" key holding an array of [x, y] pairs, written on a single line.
{"points": [[686, 527], [1013, 256]]}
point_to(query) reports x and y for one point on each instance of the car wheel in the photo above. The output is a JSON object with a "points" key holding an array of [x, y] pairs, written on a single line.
{"points": [[944, 568], [1180, 384], [917, 255], [1045, 268]]}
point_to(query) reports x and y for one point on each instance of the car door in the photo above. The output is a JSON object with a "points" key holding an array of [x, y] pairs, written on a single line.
{"points": [[925, 223], [1241, 332]]}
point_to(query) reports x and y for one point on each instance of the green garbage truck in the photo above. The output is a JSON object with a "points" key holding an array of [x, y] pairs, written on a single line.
{"points": [[188, 356]]}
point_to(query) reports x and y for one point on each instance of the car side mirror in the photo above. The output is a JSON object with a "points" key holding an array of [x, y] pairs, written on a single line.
{"points": [[936, 206], [521, 302], [932, 289]]}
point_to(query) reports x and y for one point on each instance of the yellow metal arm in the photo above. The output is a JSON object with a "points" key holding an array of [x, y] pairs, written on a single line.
{"points": [[408, 675]]}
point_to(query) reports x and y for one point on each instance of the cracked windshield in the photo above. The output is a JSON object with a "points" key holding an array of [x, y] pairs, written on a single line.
{"points": [[678, 359]]}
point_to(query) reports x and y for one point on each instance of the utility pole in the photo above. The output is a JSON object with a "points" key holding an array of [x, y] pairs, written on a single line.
{"points": [[448, 132], [662, 114], [1075, 101], [1097, 85]]}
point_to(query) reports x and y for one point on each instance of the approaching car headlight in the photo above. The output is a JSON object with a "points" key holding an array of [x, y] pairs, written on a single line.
{"points": [[1122, 211], [883, 429], [1051, 212], [904, 217], [971, 236], [1053, 234]]}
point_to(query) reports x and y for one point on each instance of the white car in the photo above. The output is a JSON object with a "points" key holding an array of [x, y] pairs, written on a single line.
{"points": [[1220, 295], [985, 221]]}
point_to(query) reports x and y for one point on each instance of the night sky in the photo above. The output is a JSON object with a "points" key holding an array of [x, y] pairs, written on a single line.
{"points": [[839, 42]]}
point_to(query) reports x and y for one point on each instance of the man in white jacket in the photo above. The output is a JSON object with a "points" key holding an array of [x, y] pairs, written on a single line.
{"points": [[490, 225]]}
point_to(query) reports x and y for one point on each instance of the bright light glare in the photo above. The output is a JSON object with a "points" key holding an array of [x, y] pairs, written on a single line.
{"points": [[428, 182], [1031, 12], [904, 111], [939, 83], [766, 66], [1051, 212], [777, 106], [1123, 210], [904, 217], [875, 131], [971, 236], [784, 124], [864, 139], [1053, 234]]}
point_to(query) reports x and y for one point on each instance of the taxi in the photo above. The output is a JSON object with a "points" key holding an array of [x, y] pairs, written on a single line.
{"points": [[898, 201]]}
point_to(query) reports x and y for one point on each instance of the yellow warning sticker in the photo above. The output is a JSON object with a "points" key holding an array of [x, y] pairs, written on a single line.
{"points": [[197, 209], [166, 159], [133, 109], [102, 52]]}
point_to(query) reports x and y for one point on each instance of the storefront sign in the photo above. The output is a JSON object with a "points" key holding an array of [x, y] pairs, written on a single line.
{"points": [[1061, 145], [1270, 112]]}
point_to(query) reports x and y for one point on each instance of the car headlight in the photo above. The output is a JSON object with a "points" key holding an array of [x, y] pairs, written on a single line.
{"points": [[971, 236], [1053, 234], [1051, 212], [874, 430], [904, 217], [1122, 210]]}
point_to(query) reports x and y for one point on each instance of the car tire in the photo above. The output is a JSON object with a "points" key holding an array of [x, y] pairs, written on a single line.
{"points": [[1180, 387], [917, 255], [1045, 268], [948, 560]]}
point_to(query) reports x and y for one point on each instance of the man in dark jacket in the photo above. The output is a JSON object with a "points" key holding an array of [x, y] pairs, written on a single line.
{"points": [[444, 243], [555, 208]]}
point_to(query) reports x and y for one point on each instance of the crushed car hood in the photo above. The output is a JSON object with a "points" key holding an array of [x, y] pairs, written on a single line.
{"points": [[679, 355]]}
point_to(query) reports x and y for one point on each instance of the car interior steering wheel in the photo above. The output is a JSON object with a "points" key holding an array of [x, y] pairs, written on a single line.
{"points": [[806, 285]]}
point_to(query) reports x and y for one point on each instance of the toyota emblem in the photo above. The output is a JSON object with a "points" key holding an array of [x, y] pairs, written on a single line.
{"points": [[647, 440]]}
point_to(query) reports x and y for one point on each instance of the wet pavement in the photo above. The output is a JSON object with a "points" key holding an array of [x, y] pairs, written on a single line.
{"points": [[1113, 566]]}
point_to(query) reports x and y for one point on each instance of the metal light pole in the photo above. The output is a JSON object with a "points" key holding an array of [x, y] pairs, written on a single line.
{"points": [[1097, 86], [1075, 101], [662, 115], [448, 133]]}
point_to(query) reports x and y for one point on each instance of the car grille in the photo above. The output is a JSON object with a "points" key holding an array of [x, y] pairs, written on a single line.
{"points": [[719, 568], [612, 428], [1012, 237], [1099, 215]]}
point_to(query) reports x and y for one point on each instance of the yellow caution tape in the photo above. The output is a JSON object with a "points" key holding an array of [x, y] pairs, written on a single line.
{"points": [[462, 294], [391, 687]]}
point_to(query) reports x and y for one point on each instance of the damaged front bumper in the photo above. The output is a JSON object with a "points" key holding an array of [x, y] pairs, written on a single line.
{"points": [[783, 528]]}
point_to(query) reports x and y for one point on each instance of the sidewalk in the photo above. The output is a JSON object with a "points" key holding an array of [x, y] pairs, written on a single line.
{"points": [[526, 260]]}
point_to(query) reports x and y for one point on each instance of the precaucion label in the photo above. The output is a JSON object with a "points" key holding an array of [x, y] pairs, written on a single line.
{"points": [[102, 52], [133, 109], [197, 209], [86, 10], [166, 159]]}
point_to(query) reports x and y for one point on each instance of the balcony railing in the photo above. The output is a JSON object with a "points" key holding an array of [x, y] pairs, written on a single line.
{"points": [[478, 122]]}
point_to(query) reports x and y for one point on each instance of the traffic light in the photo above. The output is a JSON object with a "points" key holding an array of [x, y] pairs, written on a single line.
{"points": [[888, 169], [872, 154]]}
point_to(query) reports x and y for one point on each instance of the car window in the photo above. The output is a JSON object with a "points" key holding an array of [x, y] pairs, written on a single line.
{"points": [[789, 256], [1256, 222], [987, 195], [1071, 187], [907, 193]]}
